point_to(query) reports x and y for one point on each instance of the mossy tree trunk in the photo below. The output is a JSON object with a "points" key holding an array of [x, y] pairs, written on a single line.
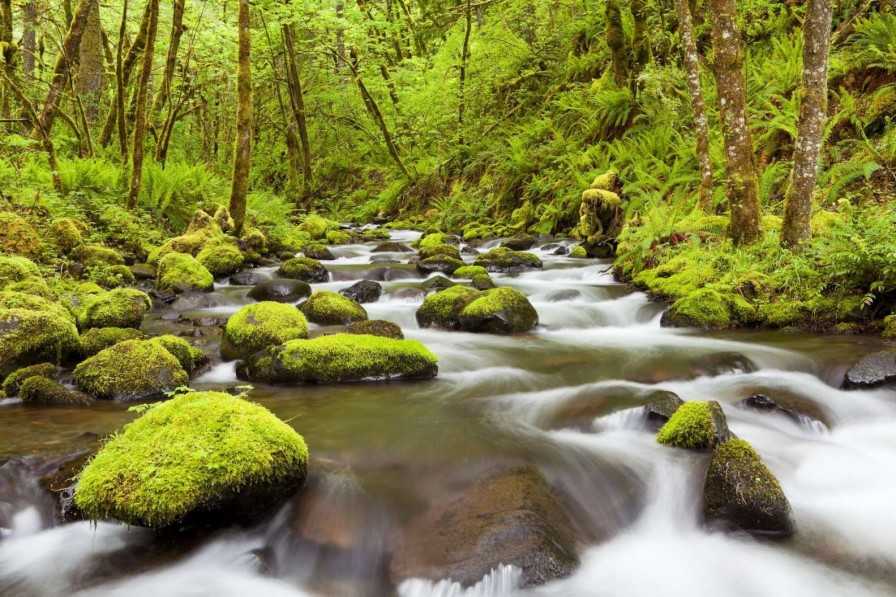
{"points": [[91, 64], [742, 184], [464, 57], [297, 101], [796, 232], [140, 114], [177, 30], [642, 54], [615, 35], [698, 104], [118, 105], [29, 38], [9, 52], [241, 155]]}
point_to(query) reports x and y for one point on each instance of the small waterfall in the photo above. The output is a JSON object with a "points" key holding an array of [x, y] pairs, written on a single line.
{"points": [[500, 582]]}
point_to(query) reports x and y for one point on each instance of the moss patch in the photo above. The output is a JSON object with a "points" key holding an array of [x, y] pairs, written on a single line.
{"points": [[189, 357], [696, 426], [255, 327], [890, 327], [331, 308], [29, 337], [442, 264], [443, 308], [443, 249], [499, 311], [578, 253], [96, 255], [316, 227], [41, 390], [96, 339], [468, 272], [18, 237], [376, 327], [221, 256], [131, 370], [65, 234], [13, 383], [178, 272], [119, 308], [702, 308], [339, 237], [502, 259], [305, 269], [14, 268]]}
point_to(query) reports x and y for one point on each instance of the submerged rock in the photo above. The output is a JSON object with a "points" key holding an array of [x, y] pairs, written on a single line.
{"points": [[131, 370], [520, 242], [503, 259], [496, 311], [204, 457], [119, 308], [330, 308], [255, 327], [318, 251], [741, 492], [511, 518], [875, 369], [305, 269], [365, 291], [696, 426], [281, 291], [376, 327]]}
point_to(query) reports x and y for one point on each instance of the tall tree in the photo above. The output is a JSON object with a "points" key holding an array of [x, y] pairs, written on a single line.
{"points": [[91, 66], [177, 30], [742, 183], [241, 155], [8, 50], [142, 92], [615, 35], [297, 101], [118, 106], [464, 56], [796, 232]]}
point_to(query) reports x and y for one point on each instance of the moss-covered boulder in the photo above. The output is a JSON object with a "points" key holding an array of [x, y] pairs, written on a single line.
{"points": [[282, 291], [468, 272], [482, 282], [432, 239], [18, 237], [305, 269], [442, 249], [39, 390], [13, 383], [221, 256], [499, 311], [223, 220], [331, 308], [93, 255], [112, 276], [131, 370], [318, 251], [519, 242], [189, 357], [578, 252], [203, 456], [502, 259], [201, 230], [65, 234], [316, 227], [704, 308], [119, 308], [376, 327], [12, 299], [254, 239], [96, 339], [338, 358], [740, 492], [696, 426], [339, 237], [14, 268], [179, 272], [442, 309], [255, 327], [31, 337], [441, 264]]}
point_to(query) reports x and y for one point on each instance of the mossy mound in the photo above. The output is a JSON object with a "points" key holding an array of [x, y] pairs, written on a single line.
{"points": [[131, 370], [318, 251], [201, 230], [482, 282], [578, 253], [468, 272], [316, 227], [255, 327], [96, 255], [223, 220], [178, 272], [442, 264], [443, 308], [255, 240], [304, 269], [499, 311], [198, 454], [436, 238], [741, 492], [519, 242], [376, 327], [41, 390], [331, 308], [502, 259], [282, 290], [13, 299], [65, 234], [119, 308], [703, 308], [442, 249], [96, 339], [339, 237], [111, 276], [890, 327], [31, 337], [18, 237], [338, 358], [14, 268], [221, 256], [13, 383], [696, 426], [189, 357]]}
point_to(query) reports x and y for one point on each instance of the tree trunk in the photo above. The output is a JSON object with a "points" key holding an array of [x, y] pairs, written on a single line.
{"points": [[140, 110], [796, 232], [297, 101], [46, 140], [177, 30], [118, 107], [91, 64], [742, 185], [241, 157], [701, 123], [29, 37], [464, 55], [615, 35], [8, 51], [642, 53]]}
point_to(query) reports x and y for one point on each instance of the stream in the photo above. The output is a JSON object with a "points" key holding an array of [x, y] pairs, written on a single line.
{"points": [[565, 398]]}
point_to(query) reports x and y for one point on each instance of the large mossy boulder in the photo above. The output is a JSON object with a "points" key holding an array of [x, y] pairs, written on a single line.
{"points": [[119, 308], [14, 268], [740, 492], [221, 256], [339, 358], [331, 308], [499, 311], [442, 264], [445, 250], [131, 370], [503, 259], [704, 308], [65, 234], [442, 309], [18, 237], [202, 458], [317, 227], [468, 272], [13, 383], [255, 327], [93, 255], [304, 269], [96, 339], [179, 272], [39, 390], [189, 357], [281, 291], [30, 337], [201, 230], [875, 369], [696, 426]]}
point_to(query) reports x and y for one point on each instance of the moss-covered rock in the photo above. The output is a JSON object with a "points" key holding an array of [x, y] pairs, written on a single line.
{"points": [[305, 269], [178, 272], [442, 249], [255, 240], [18, 237], [376, 327], [331, 308], [442, 264], [131, 370], [31, 337], [221, 256], [696, 426], [316, 227], [93, 255], [13, 383], [890, 327], [13, 299], [578, 252], [189, 357], [704, 308], [282, 290], [468, 272], [255, 327], [119, 308], [318, 251], [498, 311], [443, 308], [14, 268], [741, 492], [339, 237], [340, 357], [65, 234], [482, 282], [201, 230], [96, 339], [205, 454], [436, 238], [519, 242], [223, 220], [39, 390], [502, 259], [111, 276]]}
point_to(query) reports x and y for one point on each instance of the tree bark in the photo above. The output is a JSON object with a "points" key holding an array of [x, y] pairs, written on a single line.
{"points": [[742, 185], [616, 42], [118, 107], [241, 157], [9, 52], [297, 101], [29, 37], [140, 110], [91, 64], [464, 55], [177, 30], [698, 104], [642, 53], [796, 232]]}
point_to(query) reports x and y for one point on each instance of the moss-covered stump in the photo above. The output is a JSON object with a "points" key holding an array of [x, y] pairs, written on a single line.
{"points": [[14, 268], [503, 259], [65, 234], [201, 458], [442, 309], [499, 311], [119, 308], [255, 327], [364, 291], [468, 272], [18, 237], [339, 358], [189, 357], [696, 426], [131, 370], [318, 251], [601, 216], [875, 369], [442, 264], [96, 339], [331, 308], [376, 327], [221, 256], [304, 269], [31, 337], [443, 249], [179, 272], [703, 308], [281, 291], [13, 383], [740, 492], [38, 390]]}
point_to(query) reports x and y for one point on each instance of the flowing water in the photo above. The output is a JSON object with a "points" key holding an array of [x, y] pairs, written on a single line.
{"points": [[564, 398]]}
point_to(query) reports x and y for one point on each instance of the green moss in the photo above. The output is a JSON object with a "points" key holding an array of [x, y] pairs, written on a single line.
{"points": [[29, 337], [18, 237], [317, 251], [255, 327], [433, 239], [223, 220], [305, 269], [771, 222], [605, 181], [13, 383], [203, 223], [376, 234], [502, 259], [189, 357], [468, 272], [317, 227], [481, 281], [695, 425], [111, 276], [190, 454], [339, 237], [131, 370], [188, 244], [331, 308], [890, 327], [499, 311], [443, 249], [601, 197], [704, 308], [119, 308], [824, 221], [96, 339], [95, 255], [376, 327], [179, 272], [440, 263], [578, 253], [254, 239], [443, 308], [14, 268], [65, 234], [221, 256], [33, 286], [44, 391], [677, 277]]}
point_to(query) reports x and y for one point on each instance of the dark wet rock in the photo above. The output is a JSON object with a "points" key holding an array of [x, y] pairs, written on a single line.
{"points": [[376, 327], [872, 370], [569, 294], [170, 316], [365, 291], [410, 294], [392, 274], [561, 250], [143, 271], [163, 297], [193, 300], [740, 492], [392, 247], [764, 404], [204, 322], [383, 260], [437, 283], [660, 409], [601, 250], [550, 246], [510, 518], [282, 291], [442, 264], [696, 426], [470, 250], [246, 279], [520, 242], [319, 252]]}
